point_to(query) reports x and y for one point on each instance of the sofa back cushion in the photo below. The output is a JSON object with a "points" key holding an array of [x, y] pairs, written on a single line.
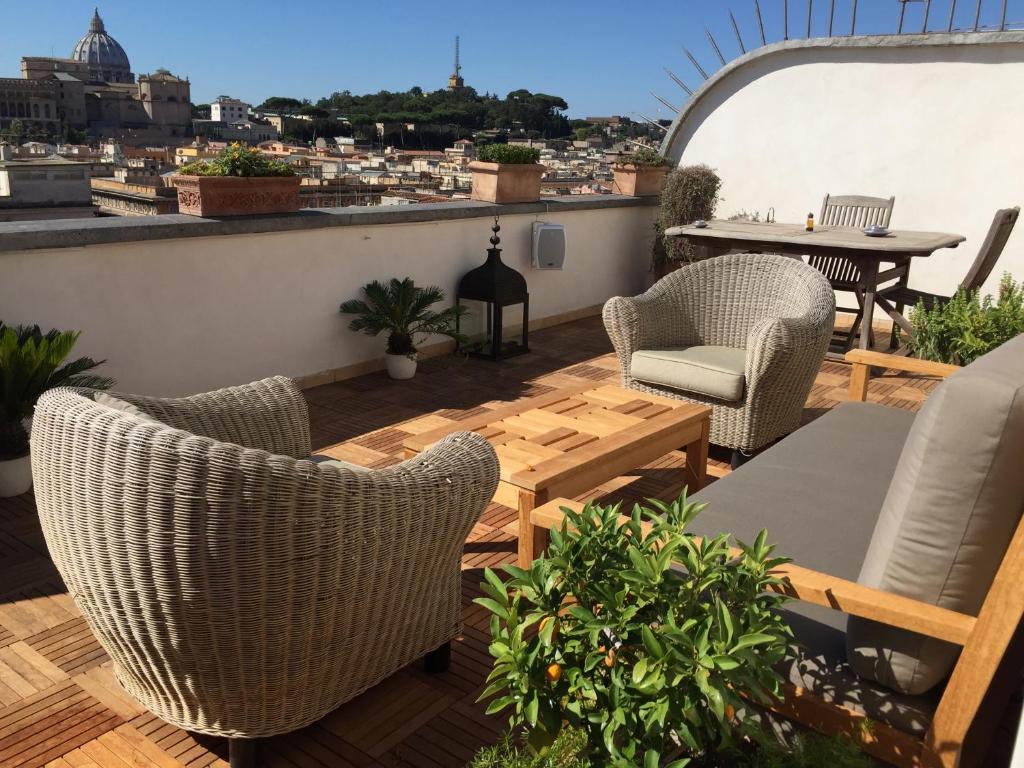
{"points": [[951, 510]]}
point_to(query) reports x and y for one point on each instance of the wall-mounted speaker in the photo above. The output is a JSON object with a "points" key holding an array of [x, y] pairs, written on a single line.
{"points": [[548, 245]]}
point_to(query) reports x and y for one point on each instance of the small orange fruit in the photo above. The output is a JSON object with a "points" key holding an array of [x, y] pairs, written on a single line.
{"points": [[609, 659], [730, 711], [554, 673]]}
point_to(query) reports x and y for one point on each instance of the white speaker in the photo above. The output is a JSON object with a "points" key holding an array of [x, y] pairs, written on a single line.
{"points": [[548, 245]]}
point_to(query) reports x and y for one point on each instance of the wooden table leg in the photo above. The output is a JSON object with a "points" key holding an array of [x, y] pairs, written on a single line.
{"points": [[869, 276], [532, 539], [697, 459]]}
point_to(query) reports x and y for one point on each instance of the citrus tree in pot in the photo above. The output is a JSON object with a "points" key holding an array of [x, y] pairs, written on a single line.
{"points": [[32, 362], [507, 173], [653, 642], [640, 174], [401, 309], [239, 181]]}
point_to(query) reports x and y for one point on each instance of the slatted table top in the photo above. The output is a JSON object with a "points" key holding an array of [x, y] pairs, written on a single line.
{"points": [[796, 237], [543, 440]]}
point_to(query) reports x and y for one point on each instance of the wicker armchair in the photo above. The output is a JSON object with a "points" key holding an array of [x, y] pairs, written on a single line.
{"points": [[768, 317], [241, 589]]}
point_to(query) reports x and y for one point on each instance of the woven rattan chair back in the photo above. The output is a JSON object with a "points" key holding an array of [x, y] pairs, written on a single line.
{"points": [[991, 248], [243, 593]]}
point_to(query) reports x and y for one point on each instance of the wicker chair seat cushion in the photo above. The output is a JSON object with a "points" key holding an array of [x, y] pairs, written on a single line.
{"points": [[715, 371], [950, 512], [122, 405]]}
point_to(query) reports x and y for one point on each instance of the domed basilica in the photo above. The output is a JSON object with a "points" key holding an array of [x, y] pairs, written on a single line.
{"points": [[95, 90]]}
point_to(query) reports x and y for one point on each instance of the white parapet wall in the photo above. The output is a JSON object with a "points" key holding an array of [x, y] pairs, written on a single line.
{"points": [[175, 316], [936, 120]]}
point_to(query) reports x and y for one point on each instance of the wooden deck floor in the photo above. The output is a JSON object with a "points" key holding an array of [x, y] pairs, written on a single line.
{"points": [[59, 703]]}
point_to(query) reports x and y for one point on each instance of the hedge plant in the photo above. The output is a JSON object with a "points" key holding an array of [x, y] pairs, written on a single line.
{"points": [[690, 194], [508, 154], [644, 156], [237, 160], [642, 636], [967, 326]]}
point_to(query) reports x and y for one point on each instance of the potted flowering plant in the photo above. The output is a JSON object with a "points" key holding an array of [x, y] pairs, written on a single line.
{"points": [[507, 173], [401, 309], [239, 181], [640, 173]]}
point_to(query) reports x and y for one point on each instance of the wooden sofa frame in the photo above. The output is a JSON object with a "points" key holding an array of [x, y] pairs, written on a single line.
{"points": [[985, 639]]}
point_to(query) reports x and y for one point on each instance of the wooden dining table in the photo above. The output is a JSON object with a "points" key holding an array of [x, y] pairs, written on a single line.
{"points": [[868, 254]]}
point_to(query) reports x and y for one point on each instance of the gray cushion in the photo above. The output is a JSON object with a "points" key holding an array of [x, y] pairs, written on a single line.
{"points": [[327, 461], [955, 500], [121, 405], [820, 667], [707, 370], [818, 491]]}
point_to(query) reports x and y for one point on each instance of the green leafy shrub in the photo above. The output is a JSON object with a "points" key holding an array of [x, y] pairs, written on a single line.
{"points": [[508, 154], [569, 750], [967, 326], [644, 638], [402, 310], [31, 363], [690, 194], [237, 160], [644, 156]]}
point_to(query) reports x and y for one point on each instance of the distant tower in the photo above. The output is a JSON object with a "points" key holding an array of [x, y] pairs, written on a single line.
{"points": [[455, 81]]}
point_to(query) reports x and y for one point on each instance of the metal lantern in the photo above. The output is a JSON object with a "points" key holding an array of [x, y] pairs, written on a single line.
{"points": [[497, 290]]}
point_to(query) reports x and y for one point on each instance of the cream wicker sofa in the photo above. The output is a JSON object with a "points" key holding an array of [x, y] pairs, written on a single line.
{"points": [[744, 333], [241, 589]]}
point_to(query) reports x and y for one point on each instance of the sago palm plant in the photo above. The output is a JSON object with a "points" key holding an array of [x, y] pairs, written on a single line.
{"points": [[402, 310], [30, 364]]}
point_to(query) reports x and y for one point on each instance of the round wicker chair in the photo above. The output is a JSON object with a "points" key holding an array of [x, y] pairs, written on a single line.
{"points": [[241, 589], [776, 308]]}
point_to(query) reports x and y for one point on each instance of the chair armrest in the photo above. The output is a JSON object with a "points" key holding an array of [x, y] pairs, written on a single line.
{"points": [[644, 322], [829, 591], [863, 360], [269, 415]]}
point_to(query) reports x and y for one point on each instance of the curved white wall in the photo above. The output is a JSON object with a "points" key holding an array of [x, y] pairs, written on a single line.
{"points": [[941, 127]]}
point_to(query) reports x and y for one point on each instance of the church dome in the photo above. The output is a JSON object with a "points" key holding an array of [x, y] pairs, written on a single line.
{"points": [[102, 53]]}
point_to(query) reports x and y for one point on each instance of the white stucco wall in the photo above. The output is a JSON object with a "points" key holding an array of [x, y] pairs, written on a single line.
{"points": [[938, 126], [180, 316]]}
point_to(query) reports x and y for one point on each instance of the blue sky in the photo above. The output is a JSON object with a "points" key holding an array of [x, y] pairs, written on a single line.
{"points": [[603, 57]]}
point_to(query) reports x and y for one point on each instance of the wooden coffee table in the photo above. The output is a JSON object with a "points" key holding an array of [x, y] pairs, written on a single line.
{"points": [[569, 441]]}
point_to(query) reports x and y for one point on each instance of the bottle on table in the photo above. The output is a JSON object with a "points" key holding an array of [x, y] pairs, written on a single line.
{"points": [[810, 222]]}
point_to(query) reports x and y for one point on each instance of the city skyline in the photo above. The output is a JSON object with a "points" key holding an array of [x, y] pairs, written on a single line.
{"points": [[598, 59]]}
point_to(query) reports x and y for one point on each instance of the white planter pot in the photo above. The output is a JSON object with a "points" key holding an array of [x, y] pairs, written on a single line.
{"points": [[400, 366], [15, 476]]}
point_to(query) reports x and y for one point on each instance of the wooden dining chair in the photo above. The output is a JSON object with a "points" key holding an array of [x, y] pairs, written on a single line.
{"points": [[901, 296], [852, 212]]}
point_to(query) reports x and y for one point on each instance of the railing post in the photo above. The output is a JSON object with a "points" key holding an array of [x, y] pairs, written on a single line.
{"points": [[760, 21], [853, 18], [952, 13]]}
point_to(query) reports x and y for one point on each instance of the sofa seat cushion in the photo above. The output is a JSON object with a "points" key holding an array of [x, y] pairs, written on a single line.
{"points": [[707, 370], [820, 667], [818, 491]]}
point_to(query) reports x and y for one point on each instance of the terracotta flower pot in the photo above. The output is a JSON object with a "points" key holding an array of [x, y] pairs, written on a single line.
{"points": [[506, 183], [638, 180], [236, 195]]}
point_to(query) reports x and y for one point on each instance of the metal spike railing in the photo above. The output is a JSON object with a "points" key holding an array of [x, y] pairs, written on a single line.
{"points": [[977, 26]]}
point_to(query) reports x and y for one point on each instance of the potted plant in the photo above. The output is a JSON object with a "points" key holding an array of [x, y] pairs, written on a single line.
{"points": [[402, 310], [30, 364], [239, 181], [506, 173], [650, 642], [640, 174], [690, 194]]}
